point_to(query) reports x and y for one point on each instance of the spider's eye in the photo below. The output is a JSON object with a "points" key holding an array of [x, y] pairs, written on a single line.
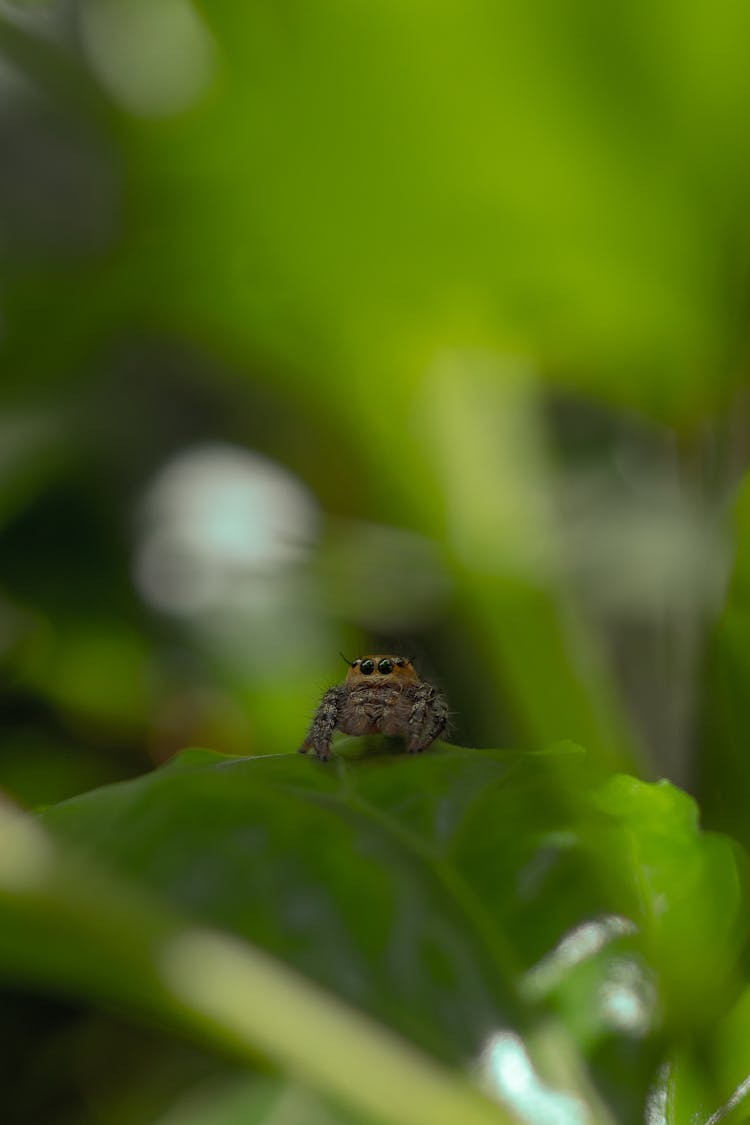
{"points": [[385, 666], [367, 667]]}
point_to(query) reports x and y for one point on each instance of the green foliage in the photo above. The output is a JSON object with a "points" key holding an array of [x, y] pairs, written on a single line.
{"points": [[449, 898], [388, 327]]}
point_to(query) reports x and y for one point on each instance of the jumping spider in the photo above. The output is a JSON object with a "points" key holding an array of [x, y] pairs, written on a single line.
{"points": [[380, 694]]}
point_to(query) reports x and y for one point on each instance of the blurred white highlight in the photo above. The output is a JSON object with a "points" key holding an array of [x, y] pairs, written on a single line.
{"points": [[582, 942], [625, 1000], [508, 1075], [657, 1103], [658, 1109], [741, 1092], [156, 57], [219, 525], [627, 997]]}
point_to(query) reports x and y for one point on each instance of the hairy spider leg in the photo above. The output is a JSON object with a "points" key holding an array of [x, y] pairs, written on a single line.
{"points": [[324, 724], [427, 719]]}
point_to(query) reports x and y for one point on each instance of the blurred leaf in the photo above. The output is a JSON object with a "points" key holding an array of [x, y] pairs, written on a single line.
{"points": [[679, 881], [731, 1047], [341, 201], [481, 438], [533, 205], [98, 669], [256, 1101]]}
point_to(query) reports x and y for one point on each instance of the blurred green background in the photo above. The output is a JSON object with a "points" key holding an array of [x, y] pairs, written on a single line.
{"points": [[365, 327]]}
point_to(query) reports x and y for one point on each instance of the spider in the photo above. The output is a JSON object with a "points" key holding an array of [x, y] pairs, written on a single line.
{"points": [[380, 694]]}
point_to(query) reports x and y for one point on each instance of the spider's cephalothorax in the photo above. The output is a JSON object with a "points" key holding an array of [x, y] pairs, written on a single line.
{"points": [[381, 694]]}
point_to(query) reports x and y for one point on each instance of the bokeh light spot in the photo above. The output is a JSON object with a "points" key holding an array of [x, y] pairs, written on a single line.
{"points": [[509, 1075], [155, 57], [219, 523], [582, 942]]}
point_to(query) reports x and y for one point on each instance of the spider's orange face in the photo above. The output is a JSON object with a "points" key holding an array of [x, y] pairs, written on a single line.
{"points": [[381, 669]]}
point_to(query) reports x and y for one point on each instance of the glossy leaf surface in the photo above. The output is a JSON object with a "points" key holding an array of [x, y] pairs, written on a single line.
{"points": [[398, 882]]}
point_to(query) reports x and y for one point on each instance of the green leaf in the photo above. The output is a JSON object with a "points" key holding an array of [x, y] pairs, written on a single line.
{"points": [[684, 888], [417, 889], [459, 898], [390, 880], [255, 1101], [64, 924]]}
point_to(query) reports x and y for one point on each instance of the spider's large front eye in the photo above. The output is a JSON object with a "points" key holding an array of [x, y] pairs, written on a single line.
{"points": [[367, 667], [385, 666]]}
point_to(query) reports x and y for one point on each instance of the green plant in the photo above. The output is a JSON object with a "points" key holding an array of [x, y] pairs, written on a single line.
{"points": [[459, 291], [352, 924]]}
